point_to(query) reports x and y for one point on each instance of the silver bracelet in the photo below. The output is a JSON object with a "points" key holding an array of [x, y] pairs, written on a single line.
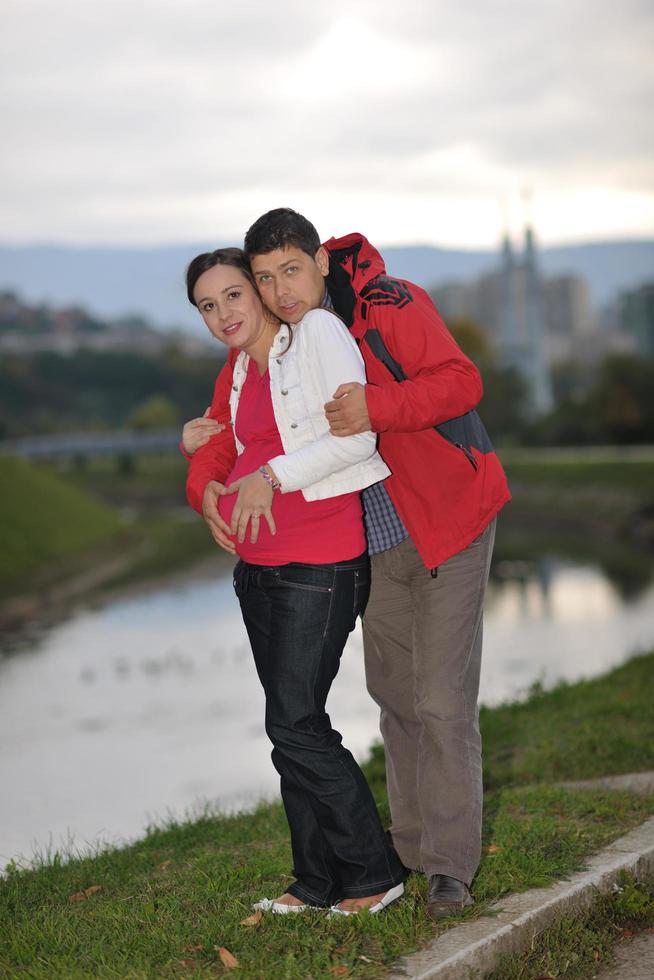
{"points": [[268, 478]]}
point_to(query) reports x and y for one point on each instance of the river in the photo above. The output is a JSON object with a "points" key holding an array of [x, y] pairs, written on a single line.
{"points": [[148, 706]]}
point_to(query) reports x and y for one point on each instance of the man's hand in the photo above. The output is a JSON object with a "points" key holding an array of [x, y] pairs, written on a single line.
{"points": [[220, 530], [197, 432], [347, 414], [255, 497]]}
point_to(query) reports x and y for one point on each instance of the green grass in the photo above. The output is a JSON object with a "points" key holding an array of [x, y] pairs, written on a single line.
{"points": [[61, 522], [633, 476], [575, 731], [167, 903], [574, 947], [605, 493], [46, 519], [154, 480], [185, 890]]}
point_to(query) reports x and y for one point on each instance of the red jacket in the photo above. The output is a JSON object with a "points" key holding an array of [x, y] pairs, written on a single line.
{"points": [[443, 500]]}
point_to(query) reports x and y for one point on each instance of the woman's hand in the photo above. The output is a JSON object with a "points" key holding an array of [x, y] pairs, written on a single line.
{"points": [[255, 497], [198, 432], [219, 528]]}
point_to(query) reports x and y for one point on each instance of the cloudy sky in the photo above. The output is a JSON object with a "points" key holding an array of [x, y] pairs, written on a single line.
{"points": [[153, 121]]}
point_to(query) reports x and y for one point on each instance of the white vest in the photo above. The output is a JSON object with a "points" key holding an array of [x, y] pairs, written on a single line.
{"points": [[322, 355]]}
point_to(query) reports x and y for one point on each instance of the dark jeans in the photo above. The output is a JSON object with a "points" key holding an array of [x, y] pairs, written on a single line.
{"points": [[298, 618]]}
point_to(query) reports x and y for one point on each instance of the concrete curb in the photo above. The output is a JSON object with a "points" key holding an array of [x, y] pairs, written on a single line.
{"points": [[472, 950]]}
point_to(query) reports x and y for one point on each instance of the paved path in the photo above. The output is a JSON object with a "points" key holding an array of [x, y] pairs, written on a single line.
{"points": [[634, 960]]}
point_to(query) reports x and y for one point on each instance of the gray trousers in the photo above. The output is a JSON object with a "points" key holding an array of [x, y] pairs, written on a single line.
{"points": [[422, 644]]}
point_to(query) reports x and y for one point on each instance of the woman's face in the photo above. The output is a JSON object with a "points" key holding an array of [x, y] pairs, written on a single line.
{"points": [[230, 306]]}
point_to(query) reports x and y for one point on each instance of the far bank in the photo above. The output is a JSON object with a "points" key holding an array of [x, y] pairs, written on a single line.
{"points": [[84, 526]]}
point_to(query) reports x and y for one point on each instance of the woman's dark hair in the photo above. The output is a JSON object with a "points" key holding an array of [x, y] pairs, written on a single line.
{"points": [[281, 228], [234, 257]]}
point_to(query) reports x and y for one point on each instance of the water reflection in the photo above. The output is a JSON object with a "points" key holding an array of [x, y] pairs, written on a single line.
{"points": [[151, 703], [551, 620]]}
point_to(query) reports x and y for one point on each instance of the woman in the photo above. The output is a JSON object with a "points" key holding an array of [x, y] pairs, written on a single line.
{"points": [[303, 575]]}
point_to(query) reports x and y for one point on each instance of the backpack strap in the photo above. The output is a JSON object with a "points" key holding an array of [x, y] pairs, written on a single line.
{"points": [[463, 431]]}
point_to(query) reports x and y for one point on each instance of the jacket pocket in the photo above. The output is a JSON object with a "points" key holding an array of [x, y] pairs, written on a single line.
{"points": [[465, 431], [291, 397]]}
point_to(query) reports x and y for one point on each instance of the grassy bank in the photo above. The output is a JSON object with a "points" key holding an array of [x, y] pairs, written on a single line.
{"points": [[166, 906], [45, 521], [63, 521], [612, 497], [68, 530]]}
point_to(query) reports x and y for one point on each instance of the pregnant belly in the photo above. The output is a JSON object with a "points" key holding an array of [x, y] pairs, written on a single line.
{"points": [[316, 531]]}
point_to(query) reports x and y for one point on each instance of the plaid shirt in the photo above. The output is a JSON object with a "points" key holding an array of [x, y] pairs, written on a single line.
{"points": [[384, 527]]}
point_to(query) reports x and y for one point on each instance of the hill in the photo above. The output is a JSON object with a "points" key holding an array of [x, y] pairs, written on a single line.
{"points": [[148, 282], [45, 519]]}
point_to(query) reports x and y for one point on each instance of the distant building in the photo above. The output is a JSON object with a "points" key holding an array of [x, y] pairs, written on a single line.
{"points": [[31, 330], [511, 303], [536, 323], [521, 338], [568, 317], [636, 310]]}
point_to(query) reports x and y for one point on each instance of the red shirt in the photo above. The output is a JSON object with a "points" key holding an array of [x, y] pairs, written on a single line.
{"points": [[315, 532]]}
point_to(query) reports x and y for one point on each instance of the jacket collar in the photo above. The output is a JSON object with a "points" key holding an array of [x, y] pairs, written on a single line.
{"points": [[353, 262], [279, 345]]}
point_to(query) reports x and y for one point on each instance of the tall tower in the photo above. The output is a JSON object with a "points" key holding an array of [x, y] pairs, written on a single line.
{"points": [[508, 327], [536, 366], [521, 321]]}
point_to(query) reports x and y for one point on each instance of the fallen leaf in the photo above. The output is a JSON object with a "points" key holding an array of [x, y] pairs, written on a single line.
{"points": [[189, 963], [340, 971], [80, 896], [164, 865], [253, 920], [491, 849], [193, 948], [227, 959]]}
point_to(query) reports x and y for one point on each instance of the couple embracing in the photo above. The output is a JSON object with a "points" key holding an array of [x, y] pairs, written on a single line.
{"points": [[343, 463]]}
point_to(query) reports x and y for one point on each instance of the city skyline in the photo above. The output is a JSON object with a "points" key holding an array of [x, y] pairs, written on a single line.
{"points": [[183, 122]]}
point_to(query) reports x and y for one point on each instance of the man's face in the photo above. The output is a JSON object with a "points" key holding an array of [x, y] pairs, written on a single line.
{"points": [[291, 282]]}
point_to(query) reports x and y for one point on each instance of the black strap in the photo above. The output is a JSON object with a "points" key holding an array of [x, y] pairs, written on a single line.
{"points": [[463, 431]]}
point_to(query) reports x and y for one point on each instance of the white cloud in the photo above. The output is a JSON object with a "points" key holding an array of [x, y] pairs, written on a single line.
{"points": [[182, 119]]}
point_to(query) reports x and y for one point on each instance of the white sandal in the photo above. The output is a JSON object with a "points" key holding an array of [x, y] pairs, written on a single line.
{"points": [[391, 895], [277, 908]]}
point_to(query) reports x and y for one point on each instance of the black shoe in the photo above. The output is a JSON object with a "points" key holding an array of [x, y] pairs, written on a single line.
{"points": [[447, 896]]}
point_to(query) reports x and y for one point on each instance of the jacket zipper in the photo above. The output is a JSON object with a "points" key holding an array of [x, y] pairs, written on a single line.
{"points": [[471, 459]]}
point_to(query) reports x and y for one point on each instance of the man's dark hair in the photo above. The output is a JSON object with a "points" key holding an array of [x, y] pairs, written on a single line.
{"points": [[281, 228]]}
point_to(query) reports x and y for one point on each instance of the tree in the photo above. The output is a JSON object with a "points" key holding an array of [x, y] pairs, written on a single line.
{"points": [[504, 405], [473, 340], [157, 412], [623, 399]]}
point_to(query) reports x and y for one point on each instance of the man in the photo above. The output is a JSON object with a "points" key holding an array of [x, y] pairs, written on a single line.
{"points": [[430, 530]]}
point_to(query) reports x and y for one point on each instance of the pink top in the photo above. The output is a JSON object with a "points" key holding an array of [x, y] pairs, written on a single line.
{"points": [[311, 531]]}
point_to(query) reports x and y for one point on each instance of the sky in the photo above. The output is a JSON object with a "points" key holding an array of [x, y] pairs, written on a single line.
{"points": [[414, 121]]}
